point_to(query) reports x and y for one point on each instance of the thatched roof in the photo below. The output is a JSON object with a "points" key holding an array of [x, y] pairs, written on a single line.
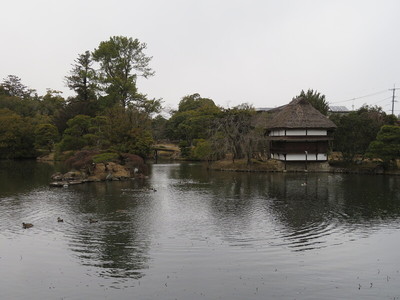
{"points": [[299, 113]]}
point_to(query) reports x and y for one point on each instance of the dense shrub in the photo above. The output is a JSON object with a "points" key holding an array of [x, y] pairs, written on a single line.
{"points": [[86, 158], [105, 157], [81, 159], [133, 161]]}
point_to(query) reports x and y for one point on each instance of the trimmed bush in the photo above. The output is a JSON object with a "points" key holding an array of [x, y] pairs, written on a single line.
{"points": [[81, 159], [105, 157]]}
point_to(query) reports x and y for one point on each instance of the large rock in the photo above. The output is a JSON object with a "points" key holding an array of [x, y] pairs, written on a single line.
{"points": [[98, 172], [118, 171]]}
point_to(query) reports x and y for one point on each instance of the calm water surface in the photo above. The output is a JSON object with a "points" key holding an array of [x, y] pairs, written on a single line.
{"points": [[200, 235]]}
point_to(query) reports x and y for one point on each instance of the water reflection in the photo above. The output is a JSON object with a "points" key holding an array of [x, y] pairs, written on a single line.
{"points": [[199, 228], [115, 247], [118, 243], [300, 211], [23, 175]]}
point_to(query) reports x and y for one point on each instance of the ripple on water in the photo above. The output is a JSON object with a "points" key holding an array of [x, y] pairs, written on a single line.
{"points": [[40, 207], [322, 233], [112, 247]]}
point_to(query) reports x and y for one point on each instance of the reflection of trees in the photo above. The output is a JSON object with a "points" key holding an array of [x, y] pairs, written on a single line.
{"points": [[302, 209], [306, 215], [225, 196], [119, 242], [317, 205], [233, 204], [369, 199], [300, 199], [189, 173], [22, 176]]}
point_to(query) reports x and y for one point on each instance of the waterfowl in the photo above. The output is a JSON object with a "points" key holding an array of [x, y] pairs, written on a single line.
{"points": [[27, 225], [59, 219], [92, 220]]}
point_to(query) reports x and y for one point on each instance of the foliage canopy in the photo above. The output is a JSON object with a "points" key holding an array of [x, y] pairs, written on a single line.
{"points": [[317, 100], [387, 144]]}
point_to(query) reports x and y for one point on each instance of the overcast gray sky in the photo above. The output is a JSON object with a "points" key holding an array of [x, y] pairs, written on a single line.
{"points": [[260, 52]]}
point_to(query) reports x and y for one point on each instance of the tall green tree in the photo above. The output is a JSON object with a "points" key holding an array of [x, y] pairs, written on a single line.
{"points": [[46, 135], [16, 96], [235, 132], [51, 103], [121, 61], [82, 78], [196, 102], [316, 99], [128, 130], [96, 138], [12, 86], [74, 135], [158, 127], [23, 107], [203, 150], [193, 119], [387, 144], [356, 130], [16, 135]]}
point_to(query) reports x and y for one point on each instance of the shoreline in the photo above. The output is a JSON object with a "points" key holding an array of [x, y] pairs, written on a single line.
{"points": [[274, 166]]}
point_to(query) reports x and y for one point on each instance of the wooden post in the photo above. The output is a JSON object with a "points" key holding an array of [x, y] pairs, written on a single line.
{"points": [[155, 155], [306, 159]]}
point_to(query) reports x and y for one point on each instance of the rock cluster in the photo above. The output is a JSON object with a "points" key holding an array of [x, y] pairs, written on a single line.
{"points": [[96, 172]]}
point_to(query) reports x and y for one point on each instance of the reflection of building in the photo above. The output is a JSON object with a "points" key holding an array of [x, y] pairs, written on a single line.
{"points": [[299, 132]]}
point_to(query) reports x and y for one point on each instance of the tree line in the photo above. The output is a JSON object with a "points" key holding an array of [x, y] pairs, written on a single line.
{"points": [[108, 113], [241, 130]]}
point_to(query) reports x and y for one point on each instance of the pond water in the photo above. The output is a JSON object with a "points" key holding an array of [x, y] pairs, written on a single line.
{"points": [[188, 233]]}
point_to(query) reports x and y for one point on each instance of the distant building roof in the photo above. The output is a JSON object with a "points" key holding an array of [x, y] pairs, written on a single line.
{"points": [[263, 109], [269, 109], [338, 109], [299, 113]]}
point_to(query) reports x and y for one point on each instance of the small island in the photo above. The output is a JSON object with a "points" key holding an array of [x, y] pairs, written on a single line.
{"points": [[92, 166]]}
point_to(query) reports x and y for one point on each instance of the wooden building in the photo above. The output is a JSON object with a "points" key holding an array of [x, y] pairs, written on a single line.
{"points": [[299, 132]]}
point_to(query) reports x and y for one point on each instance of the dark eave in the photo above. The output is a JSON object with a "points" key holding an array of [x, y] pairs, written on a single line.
{"points": [[308, 138]]}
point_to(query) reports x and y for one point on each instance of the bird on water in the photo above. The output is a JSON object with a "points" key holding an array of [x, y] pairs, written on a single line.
{"points": [[27, 225]]}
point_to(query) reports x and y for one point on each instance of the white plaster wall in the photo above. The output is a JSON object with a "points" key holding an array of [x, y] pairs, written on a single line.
{"points": [[316, 132], [290, 157], [277, 133], [295, 132], [300, 157], [299, 132]]}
